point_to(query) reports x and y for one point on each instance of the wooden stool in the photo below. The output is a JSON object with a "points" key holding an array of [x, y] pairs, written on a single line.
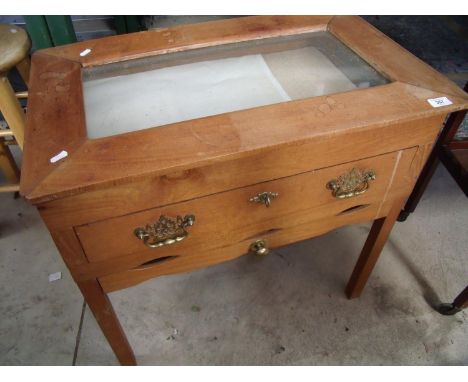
{"points": [[14, 50]]}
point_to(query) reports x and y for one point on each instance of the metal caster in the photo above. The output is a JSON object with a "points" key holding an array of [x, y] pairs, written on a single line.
{"points": [[448, 309], [403, 216]]}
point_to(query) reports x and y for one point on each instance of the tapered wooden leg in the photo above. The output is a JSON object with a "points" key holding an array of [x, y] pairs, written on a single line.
{"points": [[461, 301], [105, 316], [375, 242]]}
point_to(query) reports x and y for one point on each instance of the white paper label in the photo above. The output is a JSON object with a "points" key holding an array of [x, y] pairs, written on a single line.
{"points": [[438, 102], [55, 276], [62, 154], [85, 52]]}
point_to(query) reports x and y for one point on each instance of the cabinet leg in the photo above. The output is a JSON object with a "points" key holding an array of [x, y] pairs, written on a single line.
{"points": [[460, 303], [105, 316], [375, 242]]}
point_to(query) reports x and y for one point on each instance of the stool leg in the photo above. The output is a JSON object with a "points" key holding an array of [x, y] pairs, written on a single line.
{"points": [[23, 69], [12, 111], [8, 164]]}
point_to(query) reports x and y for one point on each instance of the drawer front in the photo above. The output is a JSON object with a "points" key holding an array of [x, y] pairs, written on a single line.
{"points": [[230, 217], [273, 238]]}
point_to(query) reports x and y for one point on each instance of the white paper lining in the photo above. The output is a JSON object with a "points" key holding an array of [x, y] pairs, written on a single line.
{"points": [[159, 97]]}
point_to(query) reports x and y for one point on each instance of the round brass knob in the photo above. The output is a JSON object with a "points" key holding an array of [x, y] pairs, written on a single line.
{"points": [[259, 247]]}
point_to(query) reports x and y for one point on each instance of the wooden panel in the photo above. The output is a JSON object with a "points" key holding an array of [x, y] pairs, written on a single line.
{"points": [[55, 120], [96, 164], [197, 143], [160, 41], [196, 260], [400, 185], [154, 191], [229, 216]]}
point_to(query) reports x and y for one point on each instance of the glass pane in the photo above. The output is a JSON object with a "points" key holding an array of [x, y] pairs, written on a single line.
{"points": [[160, 90]]}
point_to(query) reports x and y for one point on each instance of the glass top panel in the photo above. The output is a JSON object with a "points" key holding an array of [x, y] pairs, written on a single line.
{"points": [[160, 90]]}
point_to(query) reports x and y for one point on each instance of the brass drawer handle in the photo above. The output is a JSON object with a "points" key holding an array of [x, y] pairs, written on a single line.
{"points": [[264, 198], [259, 247], [354, 183], [165, 231]]}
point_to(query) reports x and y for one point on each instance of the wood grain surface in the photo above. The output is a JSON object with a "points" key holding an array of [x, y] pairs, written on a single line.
{"points": [[153, 191], [104, 188], [231, 136], [187, 37], [229, 216], [100, 163]]}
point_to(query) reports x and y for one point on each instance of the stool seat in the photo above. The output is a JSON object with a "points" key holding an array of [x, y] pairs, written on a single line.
{"points": [[14, 46]]}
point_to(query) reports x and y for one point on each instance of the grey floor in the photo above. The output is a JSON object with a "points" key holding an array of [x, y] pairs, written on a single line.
{"points": [[287, 308]]}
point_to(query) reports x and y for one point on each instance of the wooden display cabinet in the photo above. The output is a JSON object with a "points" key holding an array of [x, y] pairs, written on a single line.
{"points": [[165, 151]]}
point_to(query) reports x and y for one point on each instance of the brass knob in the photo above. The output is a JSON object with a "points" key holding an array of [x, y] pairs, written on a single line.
{"points": [[264, 198], [259, 247]]}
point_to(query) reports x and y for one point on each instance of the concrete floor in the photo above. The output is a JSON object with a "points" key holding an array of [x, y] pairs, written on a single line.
{"points": [[288, 308]]}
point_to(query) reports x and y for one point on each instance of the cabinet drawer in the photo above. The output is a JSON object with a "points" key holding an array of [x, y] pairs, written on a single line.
{"points": [[224, 218], [188, 261]]}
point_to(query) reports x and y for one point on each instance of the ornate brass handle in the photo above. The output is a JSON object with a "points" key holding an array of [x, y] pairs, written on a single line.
{"points": [[264, 198], [259, 247], [165, 231], [354, 183]]}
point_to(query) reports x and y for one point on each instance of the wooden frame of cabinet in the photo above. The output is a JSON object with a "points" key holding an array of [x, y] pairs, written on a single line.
{"points": [[120, 175]]}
